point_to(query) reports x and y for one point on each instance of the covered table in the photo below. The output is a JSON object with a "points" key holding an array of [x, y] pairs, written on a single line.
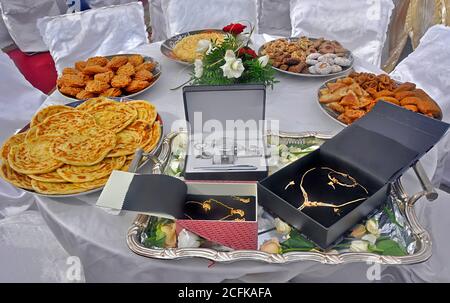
{"points": [[99, 238]]}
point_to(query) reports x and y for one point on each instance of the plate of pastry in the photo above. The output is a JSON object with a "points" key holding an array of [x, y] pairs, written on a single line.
{"points": [[308, 57], [124, 75], [182, 48], [346, 99], [70, 150]]}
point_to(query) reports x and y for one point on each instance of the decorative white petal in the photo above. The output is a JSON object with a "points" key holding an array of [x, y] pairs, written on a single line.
{"points": [[359, 246], [372, 239], [233, 68], [198, 68], [281, 227], [263, 60], [229, 55], [203, 45], [372, 227]]}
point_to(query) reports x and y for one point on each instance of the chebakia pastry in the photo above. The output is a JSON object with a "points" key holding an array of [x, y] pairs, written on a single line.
{"points": [[186, 48]]}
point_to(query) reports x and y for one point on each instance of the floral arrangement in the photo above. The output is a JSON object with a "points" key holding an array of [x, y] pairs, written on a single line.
{"points": [[232, 61]]}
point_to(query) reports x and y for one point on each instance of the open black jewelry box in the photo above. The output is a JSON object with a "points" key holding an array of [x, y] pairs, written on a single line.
{"points": [[374, 151]]}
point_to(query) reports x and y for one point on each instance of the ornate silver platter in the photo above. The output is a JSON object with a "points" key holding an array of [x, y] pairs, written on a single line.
{"points": [[168, 45], [334, 115], [344, 71], [422, 247], [156, 76], [141, 164]]}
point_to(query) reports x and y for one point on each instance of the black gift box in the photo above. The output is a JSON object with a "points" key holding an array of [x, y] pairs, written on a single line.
{"points": [[208, 106], [375, 150]]}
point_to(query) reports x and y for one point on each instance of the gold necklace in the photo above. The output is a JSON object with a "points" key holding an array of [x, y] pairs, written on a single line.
{"points": [[206, 206], [334, 180], [307, 203]]}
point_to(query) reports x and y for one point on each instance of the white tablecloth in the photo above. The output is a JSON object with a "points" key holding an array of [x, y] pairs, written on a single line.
{"points": [[98, 238]]}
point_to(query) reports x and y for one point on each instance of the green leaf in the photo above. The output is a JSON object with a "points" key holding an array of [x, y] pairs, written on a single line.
{"points": [[389, 247], [391, 216], [296, 242]]}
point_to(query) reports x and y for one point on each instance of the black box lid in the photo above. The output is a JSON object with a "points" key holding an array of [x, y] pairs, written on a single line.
{"points": [[386, 141]]}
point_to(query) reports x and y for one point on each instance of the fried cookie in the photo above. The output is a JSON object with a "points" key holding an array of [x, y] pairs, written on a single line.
{"points": [[136, 85], [98, 60], [136, 60], [71, 91], [143, 75], [127, 70], [96, 86], [150, 66], [111, 92], [117, 62], [95, 69], [104, 77], [70, 80], [84, 94], [120, 81]]}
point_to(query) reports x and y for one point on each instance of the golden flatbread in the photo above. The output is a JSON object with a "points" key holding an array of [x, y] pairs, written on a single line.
{"points": [[129, 139], [52, 188], [31, 134], [112, 115], [78, 174], [41, 115], [33, 157], [146, 110], [156, 135], [126, 166], [66, 123], [94, 184], [11, 141], [48, 177], [91, 102], [86, 148], [13, 177]]}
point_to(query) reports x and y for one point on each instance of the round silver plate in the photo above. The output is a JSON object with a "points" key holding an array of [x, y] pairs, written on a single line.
{"points": [[75, 104], [344, 71], [156, 76], [168, 45]]}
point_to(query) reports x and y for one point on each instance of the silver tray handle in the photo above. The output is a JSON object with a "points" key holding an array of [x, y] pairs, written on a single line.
{"points": [[428, 189]]}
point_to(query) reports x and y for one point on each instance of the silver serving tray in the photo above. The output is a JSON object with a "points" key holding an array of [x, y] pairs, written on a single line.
{"points": [[140, 165], [334, 115], [168, 45], [344, 71], [406, 204], [156, 76]]}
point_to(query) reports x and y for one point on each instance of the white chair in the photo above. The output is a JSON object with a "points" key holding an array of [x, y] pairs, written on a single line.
{"points": [[360, 26], [95, 32], [29, 252], [274, 17], [186, 15], [429, 67], [19, 100], [20, 18]]}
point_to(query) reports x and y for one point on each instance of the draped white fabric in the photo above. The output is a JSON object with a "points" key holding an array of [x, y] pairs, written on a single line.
{"points": [[274, 17], [20, 17], [18, 102], [186, 15], [158, 21], [103, 31], [360, 26], [5, 38], [103, 3], [429, 67], [29, 252]]}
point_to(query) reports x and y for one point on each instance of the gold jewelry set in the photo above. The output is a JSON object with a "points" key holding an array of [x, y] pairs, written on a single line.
{"points": [[334, 181], [207, 207]]}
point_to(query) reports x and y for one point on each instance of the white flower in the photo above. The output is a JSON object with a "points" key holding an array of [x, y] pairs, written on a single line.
{"points": [[271, 246], [233, 67], [372, 239], [281, 227], [359, 246], [372, 227], [263, 60], [203, 45], [187, 239], [198, 68]]}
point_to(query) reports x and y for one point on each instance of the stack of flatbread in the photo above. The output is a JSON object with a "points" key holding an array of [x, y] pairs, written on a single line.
{"points": [[71, 150]]}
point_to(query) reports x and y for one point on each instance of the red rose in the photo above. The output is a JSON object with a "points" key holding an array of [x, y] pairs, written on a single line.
{"points": [[247, 51], [234, 28]]}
